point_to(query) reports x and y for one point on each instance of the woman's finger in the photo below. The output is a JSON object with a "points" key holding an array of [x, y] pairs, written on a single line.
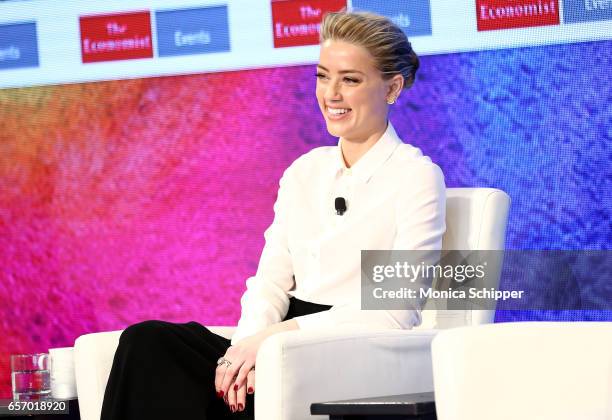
{"points": [[250, 383], [241, 398], [230, 375], [220, 373], [231, 398]]}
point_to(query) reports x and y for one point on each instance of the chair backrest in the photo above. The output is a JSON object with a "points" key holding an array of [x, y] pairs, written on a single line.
{"points": [[476, 219], [524, 370]]}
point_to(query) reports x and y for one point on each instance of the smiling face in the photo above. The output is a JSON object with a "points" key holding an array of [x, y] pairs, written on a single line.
{"points": [[351, 92]]}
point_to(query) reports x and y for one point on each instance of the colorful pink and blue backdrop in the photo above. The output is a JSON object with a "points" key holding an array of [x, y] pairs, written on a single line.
{"points": [[147, 199]]}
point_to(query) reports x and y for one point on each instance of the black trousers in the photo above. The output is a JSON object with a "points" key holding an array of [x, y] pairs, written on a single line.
{"points": [[164, 370]]}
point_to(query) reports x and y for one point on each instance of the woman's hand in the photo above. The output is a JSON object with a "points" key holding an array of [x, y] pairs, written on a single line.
{"points": [[234, 381]]}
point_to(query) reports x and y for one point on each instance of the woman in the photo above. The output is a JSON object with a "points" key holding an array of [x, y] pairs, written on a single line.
{"points": [[370, 192]]}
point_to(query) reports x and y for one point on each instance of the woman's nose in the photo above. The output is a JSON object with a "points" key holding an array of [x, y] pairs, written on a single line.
{"points": [[332, 92]]}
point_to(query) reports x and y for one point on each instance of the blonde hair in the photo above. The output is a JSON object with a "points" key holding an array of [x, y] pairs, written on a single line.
{"points": [[383, 39]]}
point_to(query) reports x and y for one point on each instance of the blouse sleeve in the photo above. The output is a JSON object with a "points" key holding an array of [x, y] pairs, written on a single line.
{"points": [[266, 301], [420, 224]]}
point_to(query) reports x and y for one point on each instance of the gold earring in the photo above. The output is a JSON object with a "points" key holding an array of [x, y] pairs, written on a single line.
{"points": [[391, 101]]}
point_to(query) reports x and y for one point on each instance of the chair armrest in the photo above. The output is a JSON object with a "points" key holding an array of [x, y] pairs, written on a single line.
{"points": [[297, 368], [93, 359]]}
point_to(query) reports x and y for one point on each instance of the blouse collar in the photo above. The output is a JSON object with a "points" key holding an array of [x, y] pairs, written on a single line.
{"points": [[364, 168]]}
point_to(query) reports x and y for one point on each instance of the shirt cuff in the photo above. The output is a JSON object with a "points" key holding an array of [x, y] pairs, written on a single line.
{"points": [[244, 330]]}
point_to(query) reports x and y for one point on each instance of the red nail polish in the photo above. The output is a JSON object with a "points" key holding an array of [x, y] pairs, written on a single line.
{"points": [[236, 387], [221, 394], [240, 407], [250, 390]]}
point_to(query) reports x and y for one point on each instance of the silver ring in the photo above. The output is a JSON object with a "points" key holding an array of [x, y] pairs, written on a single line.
{"points": [[223, 361]]}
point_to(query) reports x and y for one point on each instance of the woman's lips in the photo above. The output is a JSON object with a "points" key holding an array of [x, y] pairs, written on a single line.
{"points": [[336, 114]]}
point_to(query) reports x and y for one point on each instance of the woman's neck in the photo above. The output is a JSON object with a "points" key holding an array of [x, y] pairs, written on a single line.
{"points": [[353, 149]]}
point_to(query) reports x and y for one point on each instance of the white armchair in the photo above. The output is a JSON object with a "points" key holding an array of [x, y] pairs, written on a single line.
{"points": [[351, 364], [524, 370]]}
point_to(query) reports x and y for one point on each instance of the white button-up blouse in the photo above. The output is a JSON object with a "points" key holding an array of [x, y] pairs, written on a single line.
{"points": [[395, 199]]}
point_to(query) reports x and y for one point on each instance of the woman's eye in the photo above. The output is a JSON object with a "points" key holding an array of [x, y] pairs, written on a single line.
{"points": [[349, 80]]}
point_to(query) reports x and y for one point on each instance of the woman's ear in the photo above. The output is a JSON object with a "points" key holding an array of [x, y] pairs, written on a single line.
{"points": [[395, 86]]}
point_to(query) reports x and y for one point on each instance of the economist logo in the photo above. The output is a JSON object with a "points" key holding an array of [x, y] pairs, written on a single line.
{"points": [[116, 37], [506, 14], [298, 23]]}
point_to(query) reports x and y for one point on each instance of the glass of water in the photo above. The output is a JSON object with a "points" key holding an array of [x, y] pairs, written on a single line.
{"points": [[31, 377]]}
